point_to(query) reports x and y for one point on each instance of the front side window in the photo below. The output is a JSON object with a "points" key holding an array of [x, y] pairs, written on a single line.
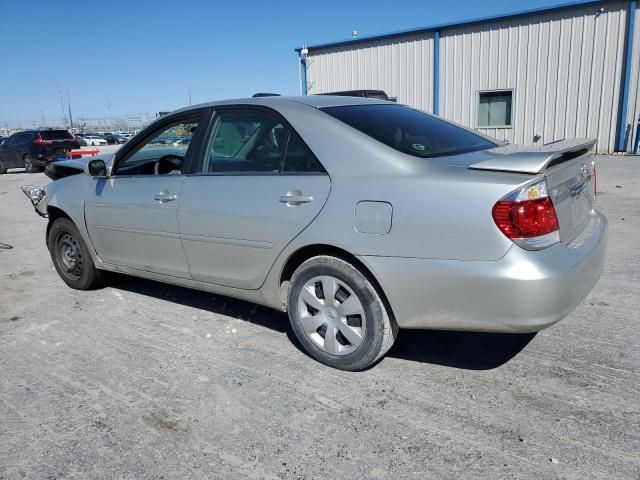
{"points": [[163, 152], [410, 131], [255, 142], [494, 109], [10, 141]]}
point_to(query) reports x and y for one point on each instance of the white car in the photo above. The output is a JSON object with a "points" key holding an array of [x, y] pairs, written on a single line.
{"points": [[95, 141]]}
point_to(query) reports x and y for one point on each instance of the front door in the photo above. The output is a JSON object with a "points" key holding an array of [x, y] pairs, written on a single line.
{"points": [[7, 155], [132, 215], [256, 188], [9, 151]]}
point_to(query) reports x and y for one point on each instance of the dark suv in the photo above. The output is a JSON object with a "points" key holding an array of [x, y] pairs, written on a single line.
{"points": [[34, 149]]}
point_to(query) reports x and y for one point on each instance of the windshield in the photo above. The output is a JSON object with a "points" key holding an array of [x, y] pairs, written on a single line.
{"points": [[55, 135], [410, 131]]}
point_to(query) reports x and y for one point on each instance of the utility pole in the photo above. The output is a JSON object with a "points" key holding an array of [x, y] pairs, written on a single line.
{"points": [[109, 110], [42, 116], [64, 115], [189, 93], [69, 105]]}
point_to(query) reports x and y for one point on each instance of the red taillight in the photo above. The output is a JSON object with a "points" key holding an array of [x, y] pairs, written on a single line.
{"points": [[525, 219], [39, 141]]}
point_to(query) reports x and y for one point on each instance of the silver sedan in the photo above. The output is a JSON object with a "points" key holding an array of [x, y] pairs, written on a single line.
{"points": [[356, 216]]}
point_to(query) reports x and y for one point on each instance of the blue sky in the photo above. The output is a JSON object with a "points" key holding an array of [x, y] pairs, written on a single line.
{"points": [[135, 57]]}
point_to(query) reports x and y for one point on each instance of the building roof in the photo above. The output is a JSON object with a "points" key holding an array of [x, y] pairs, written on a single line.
{"points": [[444, 26]]}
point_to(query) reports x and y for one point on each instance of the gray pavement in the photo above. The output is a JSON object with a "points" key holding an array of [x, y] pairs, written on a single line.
{"points": [[141, 380]]}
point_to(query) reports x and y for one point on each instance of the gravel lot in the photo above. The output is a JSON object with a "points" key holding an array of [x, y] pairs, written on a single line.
{"points": [[146, 381]]}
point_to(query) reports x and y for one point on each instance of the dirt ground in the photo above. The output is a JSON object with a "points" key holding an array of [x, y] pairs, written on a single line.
{"points": [[141, 380]]}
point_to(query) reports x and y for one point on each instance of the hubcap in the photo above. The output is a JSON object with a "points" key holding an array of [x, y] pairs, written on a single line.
{"points": [[332, 315], [70, 255], [27, 162]]}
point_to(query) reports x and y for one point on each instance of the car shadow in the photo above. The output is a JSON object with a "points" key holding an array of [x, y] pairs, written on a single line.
{"points": [[464, 350], [209, 302]]}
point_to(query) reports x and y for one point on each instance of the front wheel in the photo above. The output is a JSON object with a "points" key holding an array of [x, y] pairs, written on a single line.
{"points": [[337, 314], [71, 257]]}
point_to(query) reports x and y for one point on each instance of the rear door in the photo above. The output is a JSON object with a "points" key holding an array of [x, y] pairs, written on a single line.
{"points": [[21, 147], [132, 215], [257, 187]]}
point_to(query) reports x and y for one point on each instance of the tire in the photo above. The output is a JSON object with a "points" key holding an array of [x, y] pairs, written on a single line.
{"points": [[29, 167], [3, 169], [361, 331], [71, 257]]}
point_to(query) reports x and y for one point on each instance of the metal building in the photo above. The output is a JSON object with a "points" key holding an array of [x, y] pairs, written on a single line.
{"points": [[530, 77]]}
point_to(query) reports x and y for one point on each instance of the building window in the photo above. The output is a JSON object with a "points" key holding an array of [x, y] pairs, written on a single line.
{"points": [[494, 109]]}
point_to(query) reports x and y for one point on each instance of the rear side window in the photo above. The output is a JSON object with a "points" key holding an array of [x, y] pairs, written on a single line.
{"points": [[24, 137], [251, 142], [55, 135], [410, 131]]}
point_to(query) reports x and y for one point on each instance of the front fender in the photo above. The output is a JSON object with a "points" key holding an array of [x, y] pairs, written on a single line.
{"points": [[66, 197]]}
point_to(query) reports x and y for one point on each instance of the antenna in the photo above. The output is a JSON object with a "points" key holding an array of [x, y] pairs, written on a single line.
{"points": [[189, 93]]}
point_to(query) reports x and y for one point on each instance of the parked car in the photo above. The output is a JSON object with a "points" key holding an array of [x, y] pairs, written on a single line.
{"points": [[114, 138], [34, 149], [377, 94], [94, 140], [356, 216], [80, 139]]}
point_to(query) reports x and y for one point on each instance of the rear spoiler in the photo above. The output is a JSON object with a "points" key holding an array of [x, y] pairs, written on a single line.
{"points": [[512, 158]]}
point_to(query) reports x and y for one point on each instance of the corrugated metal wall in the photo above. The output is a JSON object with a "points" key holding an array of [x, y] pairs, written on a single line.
{"points": [[564, 67], [402, 67], [634, 87]]}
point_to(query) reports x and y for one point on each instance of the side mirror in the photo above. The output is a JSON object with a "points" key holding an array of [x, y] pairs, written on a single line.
{"points": [[96, 168]]}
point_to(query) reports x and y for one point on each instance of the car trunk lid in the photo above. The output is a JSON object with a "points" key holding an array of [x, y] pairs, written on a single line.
{"points": [[568, 168], [55, 142]]}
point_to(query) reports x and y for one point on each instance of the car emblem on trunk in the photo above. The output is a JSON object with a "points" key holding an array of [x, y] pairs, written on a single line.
{"points": [[584, 171]]}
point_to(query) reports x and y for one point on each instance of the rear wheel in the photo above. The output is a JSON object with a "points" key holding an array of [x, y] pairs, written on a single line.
{"points": [[71, 257], [337, 314], [28, 164], [3, 169]]}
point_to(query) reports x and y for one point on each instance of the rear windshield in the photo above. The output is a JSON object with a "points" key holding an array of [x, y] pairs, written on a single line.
{"points": [[410, 131], [55, 135]]}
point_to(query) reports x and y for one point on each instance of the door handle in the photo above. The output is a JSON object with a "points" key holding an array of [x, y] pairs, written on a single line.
{"points": [[295, 197], [164, 197]]}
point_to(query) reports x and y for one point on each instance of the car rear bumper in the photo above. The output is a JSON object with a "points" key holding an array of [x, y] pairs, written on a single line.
{"points": [[522, 292]]}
